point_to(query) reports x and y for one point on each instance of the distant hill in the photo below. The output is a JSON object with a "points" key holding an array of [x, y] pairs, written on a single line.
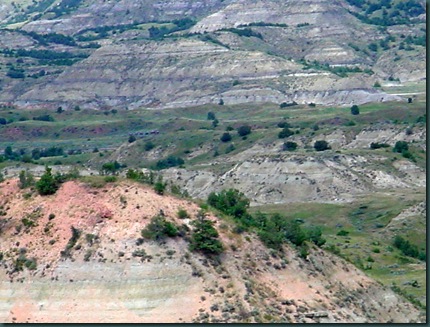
{"points": [[170, 54]]}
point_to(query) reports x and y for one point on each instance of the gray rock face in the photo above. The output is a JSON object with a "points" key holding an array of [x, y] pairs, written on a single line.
{"points": [[191, 72], [185, 71], [10, 39], [290, 12], [295, 178], [98, 13]]}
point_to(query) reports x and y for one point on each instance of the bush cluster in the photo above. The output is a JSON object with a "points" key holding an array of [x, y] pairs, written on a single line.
{"points": [[286, 132], [226, 137], [231, 202], [408, 249], [289, 146], [375, 145], [170, 161], [273, 230], [403, 148], [321, 145], [159, 228]]}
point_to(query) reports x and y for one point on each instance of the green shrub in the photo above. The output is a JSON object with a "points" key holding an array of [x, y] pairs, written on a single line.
{"points": [[44, 118], [28, 222], [90, 238], [304, 251], [226, 137], [231, 202], [76, 234], [408, 249], [88, 255], [230, 148], [26, 179], [141, 177], [321, 145], [159, 228], [111, 168], [204, 238], [342, 232], [149, 146], [47, 184], [314, 234], [159, 186], [355, 110], [286, 132], [247, 32], [406, 154], [400, 146], [275, 230], [110, 179], [131, 138], [170, 161], [283, 124], [375, 145], [211, 115], [182, 213], [244, 130], [286, 105], [139, 253], [289, 146]]}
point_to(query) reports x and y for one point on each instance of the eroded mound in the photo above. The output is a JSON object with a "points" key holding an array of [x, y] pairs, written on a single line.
{"points": [[110, 274]]}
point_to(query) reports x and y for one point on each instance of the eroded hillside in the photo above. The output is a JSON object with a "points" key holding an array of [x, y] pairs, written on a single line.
{"points": [[106, 272], [171, 54]]}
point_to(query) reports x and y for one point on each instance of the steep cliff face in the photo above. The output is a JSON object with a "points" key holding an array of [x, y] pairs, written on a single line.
{"points": [[103, 280]]}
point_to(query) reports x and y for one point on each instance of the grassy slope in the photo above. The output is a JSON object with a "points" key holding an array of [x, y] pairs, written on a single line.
{"points": [[366, 219], [188, 129]]}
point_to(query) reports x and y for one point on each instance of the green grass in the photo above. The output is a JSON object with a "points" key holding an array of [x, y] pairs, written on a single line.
{"points": [[366, 219], [185, 130], [407, 87]]}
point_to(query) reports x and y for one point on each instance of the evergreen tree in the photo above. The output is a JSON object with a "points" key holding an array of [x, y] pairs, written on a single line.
{"points": [[26, 179], [355, 110], [47, 184], [205, 237]]}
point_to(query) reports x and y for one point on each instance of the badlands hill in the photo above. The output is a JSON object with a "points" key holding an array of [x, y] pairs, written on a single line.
{"points": [[160, 54], [108, 275], [101, 87]]}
